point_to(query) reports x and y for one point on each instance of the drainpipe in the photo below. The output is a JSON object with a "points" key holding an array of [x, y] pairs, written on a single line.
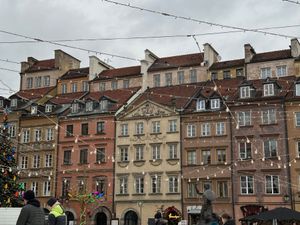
{"points": [[181, 141], [56, 147], [114, 170], [232, 171], [287, 151]]}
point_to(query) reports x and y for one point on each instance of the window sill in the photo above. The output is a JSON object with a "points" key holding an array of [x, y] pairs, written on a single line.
{"points": [[172, 132], [173, 193], [122, 194], [158, 133], [139, 194], [67, 164], [153, 194], [97, 163], [81, 164], [138, 135], [120, 136], [173, 161], [100, 133], [69, 136], [139, 162], [268, 124], [123, 163], [155, 162], [246, 126]]}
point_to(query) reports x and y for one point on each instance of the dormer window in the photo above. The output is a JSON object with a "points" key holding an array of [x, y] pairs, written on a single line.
{"points": [[75, 108], [215, 103], [1, 103], [245, 92], [33, 110], [104, 105], [297, 86], [200, 105], [48, 108], [14, 103], [268, 89], [89, 106]]}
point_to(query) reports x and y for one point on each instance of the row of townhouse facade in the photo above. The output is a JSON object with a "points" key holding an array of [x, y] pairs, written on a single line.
{"points": [[145, 136]]}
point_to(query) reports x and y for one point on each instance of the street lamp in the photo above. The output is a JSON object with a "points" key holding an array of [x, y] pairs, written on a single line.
{"points": [[286, 198], [140, 204]]}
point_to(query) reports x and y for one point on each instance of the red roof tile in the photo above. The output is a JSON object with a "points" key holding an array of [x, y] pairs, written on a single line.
{"points": [[177, 61], [119, 72], [227, 64], [76, 73], [33, 93], [67, 98], [48, 64], [274, 55]]}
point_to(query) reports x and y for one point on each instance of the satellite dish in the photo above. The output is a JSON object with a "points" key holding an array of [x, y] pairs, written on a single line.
{"points": [[219, 58]]}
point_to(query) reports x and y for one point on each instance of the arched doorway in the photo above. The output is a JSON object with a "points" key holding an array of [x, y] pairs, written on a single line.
{"points": [[101, 218], [70, 218], [130, 218]]}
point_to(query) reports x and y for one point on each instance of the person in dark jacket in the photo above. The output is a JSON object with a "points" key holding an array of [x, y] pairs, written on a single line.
{"points": [[227, 220], [57, 214], [31, 213]]}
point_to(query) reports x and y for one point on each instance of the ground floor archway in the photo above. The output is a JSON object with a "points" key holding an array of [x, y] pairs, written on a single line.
{"points": [[101, 218], [70, 218], [131, 218]]}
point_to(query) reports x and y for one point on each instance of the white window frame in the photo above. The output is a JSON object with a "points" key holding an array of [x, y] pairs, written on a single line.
{"points": [[124, 154], [191, 190], [12, 130], [270, 184], [48, 108], [75, 108], [156, 80], [205, 129], [14, 102], [268, 144], [247, 185], [281, 71], [139, 128], [243, 150], [297, 88], [49, 134], [155, 184], [34, 110], [245, 92], [215, 103], [221, 155], [89, 106], [193, 76], [173, 151], [173, 184], [46, 81], [180, 77], [36, 161], [191, 130], [29, 81], [268, 116], [220, 128], [24, 162], [124, 129], [139, 152], [114, 84], [64, 88], [156, 152], [85, 86], [200, 105], [265, 72], [244, 118], [38, 82], [139, 185], [297, 119], [191, 157], [26, 136], [35, 188], [172, 125], [156, 127], [168, 79], [102, 86], [123, 185], [47, 188], [37, 134], [48, 160], [269, 90], [74, 87], [206, 156], [222, 187]]}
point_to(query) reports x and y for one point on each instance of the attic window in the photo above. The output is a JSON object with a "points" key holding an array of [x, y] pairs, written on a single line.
{"points": [[75, 108], [13, 103], [104, 105], [200, 105], [89, 106], [297, 86], [33, 110], [215, 103], [1, 103], [268, 89], [48, 108], [245, 92]]}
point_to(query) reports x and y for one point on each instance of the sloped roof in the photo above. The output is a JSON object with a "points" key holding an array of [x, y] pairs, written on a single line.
{"points": [[31, 94], [172, 62], [76, 73], [119, 72], [67, 98], [269, 56], [227, 64], [40, 65]]}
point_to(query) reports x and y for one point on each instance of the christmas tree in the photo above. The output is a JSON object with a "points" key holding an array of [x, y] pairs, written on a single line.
{"points": [[9, 188]]}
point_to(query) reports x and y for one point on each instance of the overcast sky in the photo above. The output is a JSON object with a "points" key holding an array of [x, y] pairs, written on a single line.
{"points": [[73, 19]]}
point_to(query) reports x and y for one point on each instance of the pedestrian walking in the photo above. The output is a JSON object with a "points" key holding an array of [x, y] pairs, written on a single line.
{"points": [[57, 214]]}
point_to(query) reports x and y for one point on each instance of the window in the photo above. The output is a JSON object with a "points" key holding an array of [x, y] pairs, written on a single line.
{"points": [[156, 127], [67, 157], [14, 103], [24, 162], [123, 185], [46, 81], [226, 74], [64, 88], [205, 129], [272, 184], [265, 72], [139, 152], [114, 84], [297, 119], [206, 158], [81, 186], [214, 76], [155, 184], [100, 155], [1, 103], [221, 155], [173, 184], [38, 82], [215, 103], [85, 86], [100, 127], [298, 149], [193, 76], [12, 130], [155, 152], [172, 125], [180, 77], [297, 86], [191, 130], [245, 150], [26, 136], [35, 188], [168, 77], [269, 116], [47, 188], [173, 151], [48, 108], [101, 185], [139, 185], [222, 187], [245, 92], [280, 71], [124, 154], [89, 106], [75, 108], [84, 129], [36, 161], [48, 160], [192, 193], [239, 72], [156, 80], [191, 157], [244, 118], [104, 105], [101, 86], [125, 83], [33, 110], [74, 87], [29, 82], [83, 156], [247, 184], [49, 134], [124, 129], [65, 187], [220, 128], [268, 89], [270, 148], [139, 128], [69, 131], [200, 105]]}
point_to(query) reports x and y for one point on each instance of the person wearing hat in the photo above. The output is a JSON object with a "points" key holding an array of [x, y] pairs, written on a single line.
{"points": [[31, 213], [57, 214]]}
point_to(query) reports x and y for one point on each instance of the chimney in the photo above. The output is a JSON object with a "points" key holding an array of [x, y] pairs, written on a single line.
{"points": [[249, 52], [145, 64], [295, 47], [210, 55], [64, 61], [97, 66]]}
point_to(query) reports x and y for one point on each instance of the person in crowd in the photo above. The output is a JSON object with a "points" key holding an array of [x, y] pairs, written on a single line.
{"points": [[227, 220], [31, 213], [57, 214]]}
